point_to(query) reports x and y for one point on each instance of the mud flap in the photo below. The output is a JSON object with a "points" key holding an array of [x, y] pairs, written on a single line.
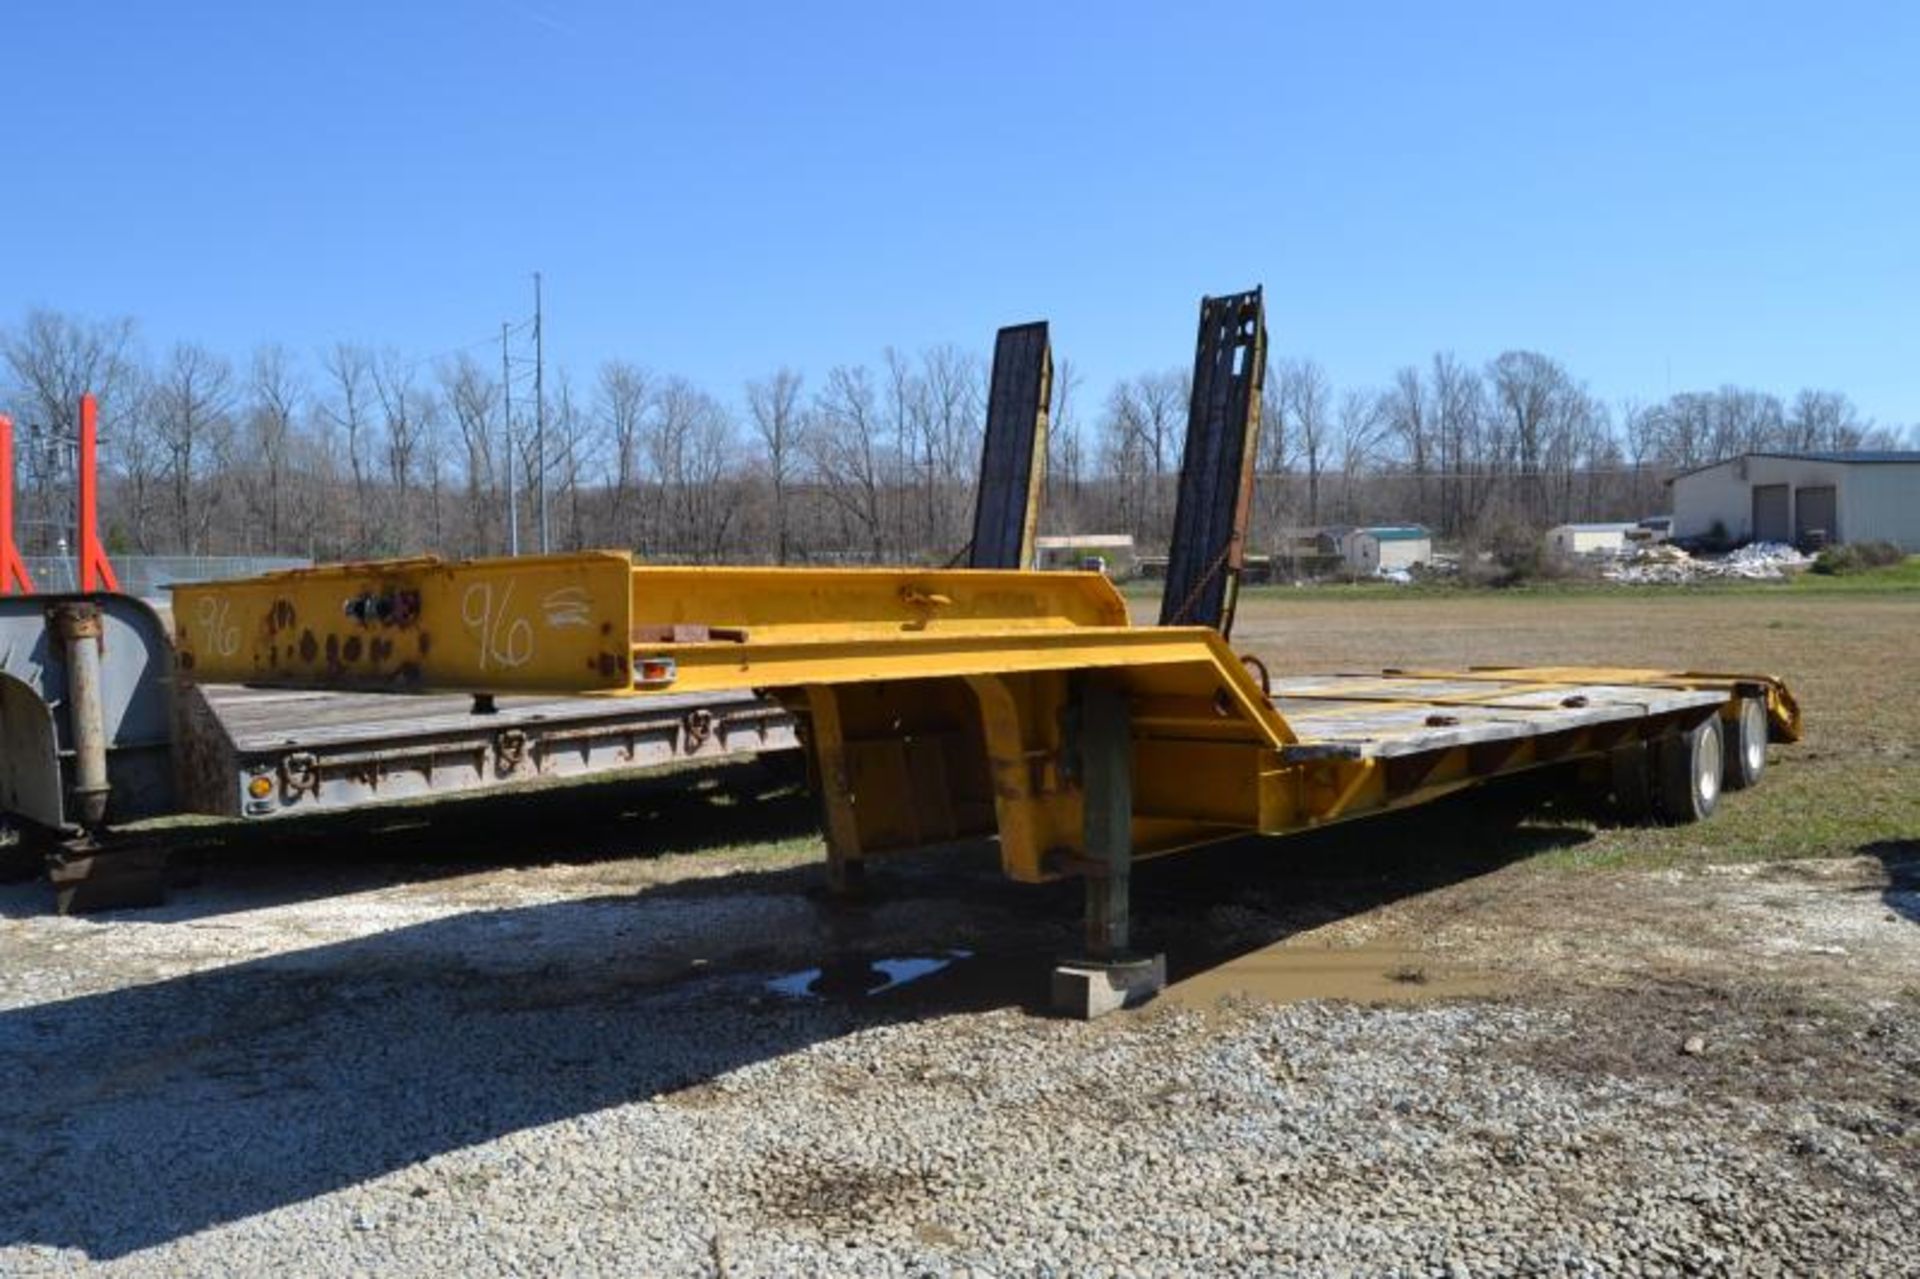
{"points": [[30, 786]]}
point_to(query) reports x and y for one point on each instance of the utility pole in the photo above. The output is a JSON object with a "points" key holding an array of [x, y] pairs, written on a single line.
{"points": [[540, 413], [506, 426]]}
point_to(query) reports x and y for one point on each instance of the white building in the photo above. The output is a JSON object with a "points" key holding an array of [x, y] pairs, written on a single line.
{"points": [[1585, 539], [1114, 551], [1366, 551], [1803, 498]]}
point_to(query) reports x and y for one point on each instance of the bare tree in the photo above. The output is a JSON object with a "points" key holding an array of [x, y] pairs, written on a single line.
{"points": [[708, 458], [846, 444], [471, 396], [349, 368], [1459, 421], [952, 398], [1531, 390], [1362, 429], [1640, 439], [574, 447], [1305, 398], [1409, 419], [620, 401], [774, 404], [191, 403], [406, 417], [690, 444], [880, 463], [55, 358], [275, 393], [1821, 420], [1745, 420], [1272, 463], [1066, 472], [140, 466]]}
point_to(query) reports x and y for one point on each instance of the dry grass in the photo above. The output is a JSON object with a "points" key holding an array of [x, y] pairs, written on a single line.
{"points": [[1853, 784]]}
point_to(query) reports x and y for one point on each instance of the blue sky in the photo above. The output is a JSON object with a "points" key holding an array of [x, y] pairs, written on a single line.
{"points": [[1665, 197]]}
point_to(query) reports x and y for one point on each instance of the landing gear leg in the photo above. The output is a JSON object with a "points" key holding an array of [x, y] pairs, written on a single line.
{"points": [[1111, 977]]}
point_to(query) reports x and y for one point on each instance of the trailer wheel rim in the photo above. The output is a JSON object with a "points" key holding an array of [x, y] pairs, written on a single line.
{"points": [[1753, 736], [1707, 762]]}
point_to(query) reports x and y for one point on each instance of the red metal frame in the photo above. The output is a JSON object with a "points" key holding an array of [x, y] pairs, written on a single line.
{"points": [[96, 570], [13, 570]]}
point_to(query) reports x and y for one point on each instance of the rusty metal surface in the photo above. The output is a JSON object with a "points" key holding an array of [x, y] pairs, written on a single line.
{"points": [[1013, 459], [80, 629], [558, 623], [1217, 468]]}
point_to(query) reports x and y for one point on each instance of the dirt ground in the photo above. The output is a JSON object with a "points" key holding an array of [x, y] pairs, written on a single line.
{"points": [[1756, 977]]}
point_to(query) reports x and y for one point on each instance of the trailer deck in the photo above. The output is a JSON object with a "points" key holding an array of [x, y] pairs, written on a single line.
{"points": [[1395, 714], [265, 753]]}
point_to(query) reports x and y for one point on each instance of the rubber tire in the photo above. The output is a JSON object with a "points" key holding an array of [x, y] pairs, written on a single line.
{"points": [[1630, 769], [1746, 736], [1687, 772]]}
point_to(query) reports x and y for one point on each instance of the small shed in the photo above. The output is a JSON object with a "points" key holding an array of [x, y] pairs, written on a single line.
{"points": [[1587, 539], [1383, 548], [1114, 551], [1306, 553]]}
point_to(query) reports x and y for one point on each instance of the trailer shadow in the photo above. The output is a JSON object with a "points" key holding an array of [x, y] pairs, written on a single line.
{"points": [[1900, 859], [152, 1111], [231, 866]]}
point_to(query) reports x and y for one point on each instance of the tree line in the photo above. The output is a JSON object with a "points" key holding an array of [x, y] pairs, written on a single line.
{"points": [[357, 451]]}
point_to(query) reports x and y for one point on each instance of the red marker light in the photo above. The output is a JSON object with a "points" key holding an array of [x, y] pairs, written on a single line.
{"points": [[654, 672]]}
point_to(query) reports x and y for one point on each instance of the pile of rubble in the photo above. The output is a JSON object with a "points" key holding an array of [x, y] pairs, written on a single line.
{"points": [[1663, 563]]}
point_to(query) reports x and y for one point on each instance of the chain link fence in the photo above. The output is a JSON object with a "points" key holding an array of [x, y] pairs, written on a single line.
{"points": [[148, 576]]}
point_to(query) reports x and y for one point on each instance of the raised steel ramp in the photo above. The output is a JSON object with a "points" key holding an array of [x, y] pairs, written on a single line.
{"points": [[1013, 453], [1217, 467]]}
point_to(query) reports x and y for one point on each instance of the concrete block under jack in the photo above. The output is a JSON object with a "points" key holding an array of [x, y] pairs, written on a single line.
{"points": [[1089, 988], [116, 880]]}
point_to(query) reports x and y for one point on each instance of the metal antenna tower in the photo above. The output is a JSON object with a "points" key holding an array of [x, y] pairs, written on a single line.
{"points": [[506, 431], [540, 413]]}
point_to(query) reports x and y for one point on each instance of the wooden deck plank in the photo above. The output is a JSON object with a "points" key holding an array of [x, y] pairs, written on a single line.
{"points": [[274, 719], [1392, 715]]}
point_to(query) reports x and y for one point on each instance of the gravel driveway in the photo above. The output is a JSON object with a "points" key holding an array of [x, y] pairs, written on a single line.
{"points": [[598, 1069]]}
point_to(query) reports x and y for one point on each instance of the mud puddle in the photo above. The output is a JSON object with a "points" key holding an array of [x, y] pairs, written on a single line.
{"points": [[1369, 974], [860, 977]]}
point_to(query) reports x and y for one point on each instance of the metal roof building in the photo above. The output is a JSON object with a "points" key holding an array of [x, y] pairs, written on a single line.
{"points": [[1808, 499], [1381, 546]]}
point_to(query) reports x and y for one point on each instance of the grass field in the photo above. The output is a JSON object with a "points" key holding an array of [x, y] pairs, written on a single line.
{"points": [[1848, 646]]}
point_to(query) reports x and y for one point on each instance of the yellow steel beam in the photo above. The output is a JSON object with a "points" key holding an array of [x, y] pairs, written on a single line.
{"points": [[567, 623], [782, 605], [1190, 663], [556, 623]]}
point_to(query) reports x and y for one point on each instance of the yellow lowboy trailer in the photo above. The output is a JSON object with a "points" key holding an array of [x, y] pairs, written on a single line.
{"points": [[947, 705]]}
